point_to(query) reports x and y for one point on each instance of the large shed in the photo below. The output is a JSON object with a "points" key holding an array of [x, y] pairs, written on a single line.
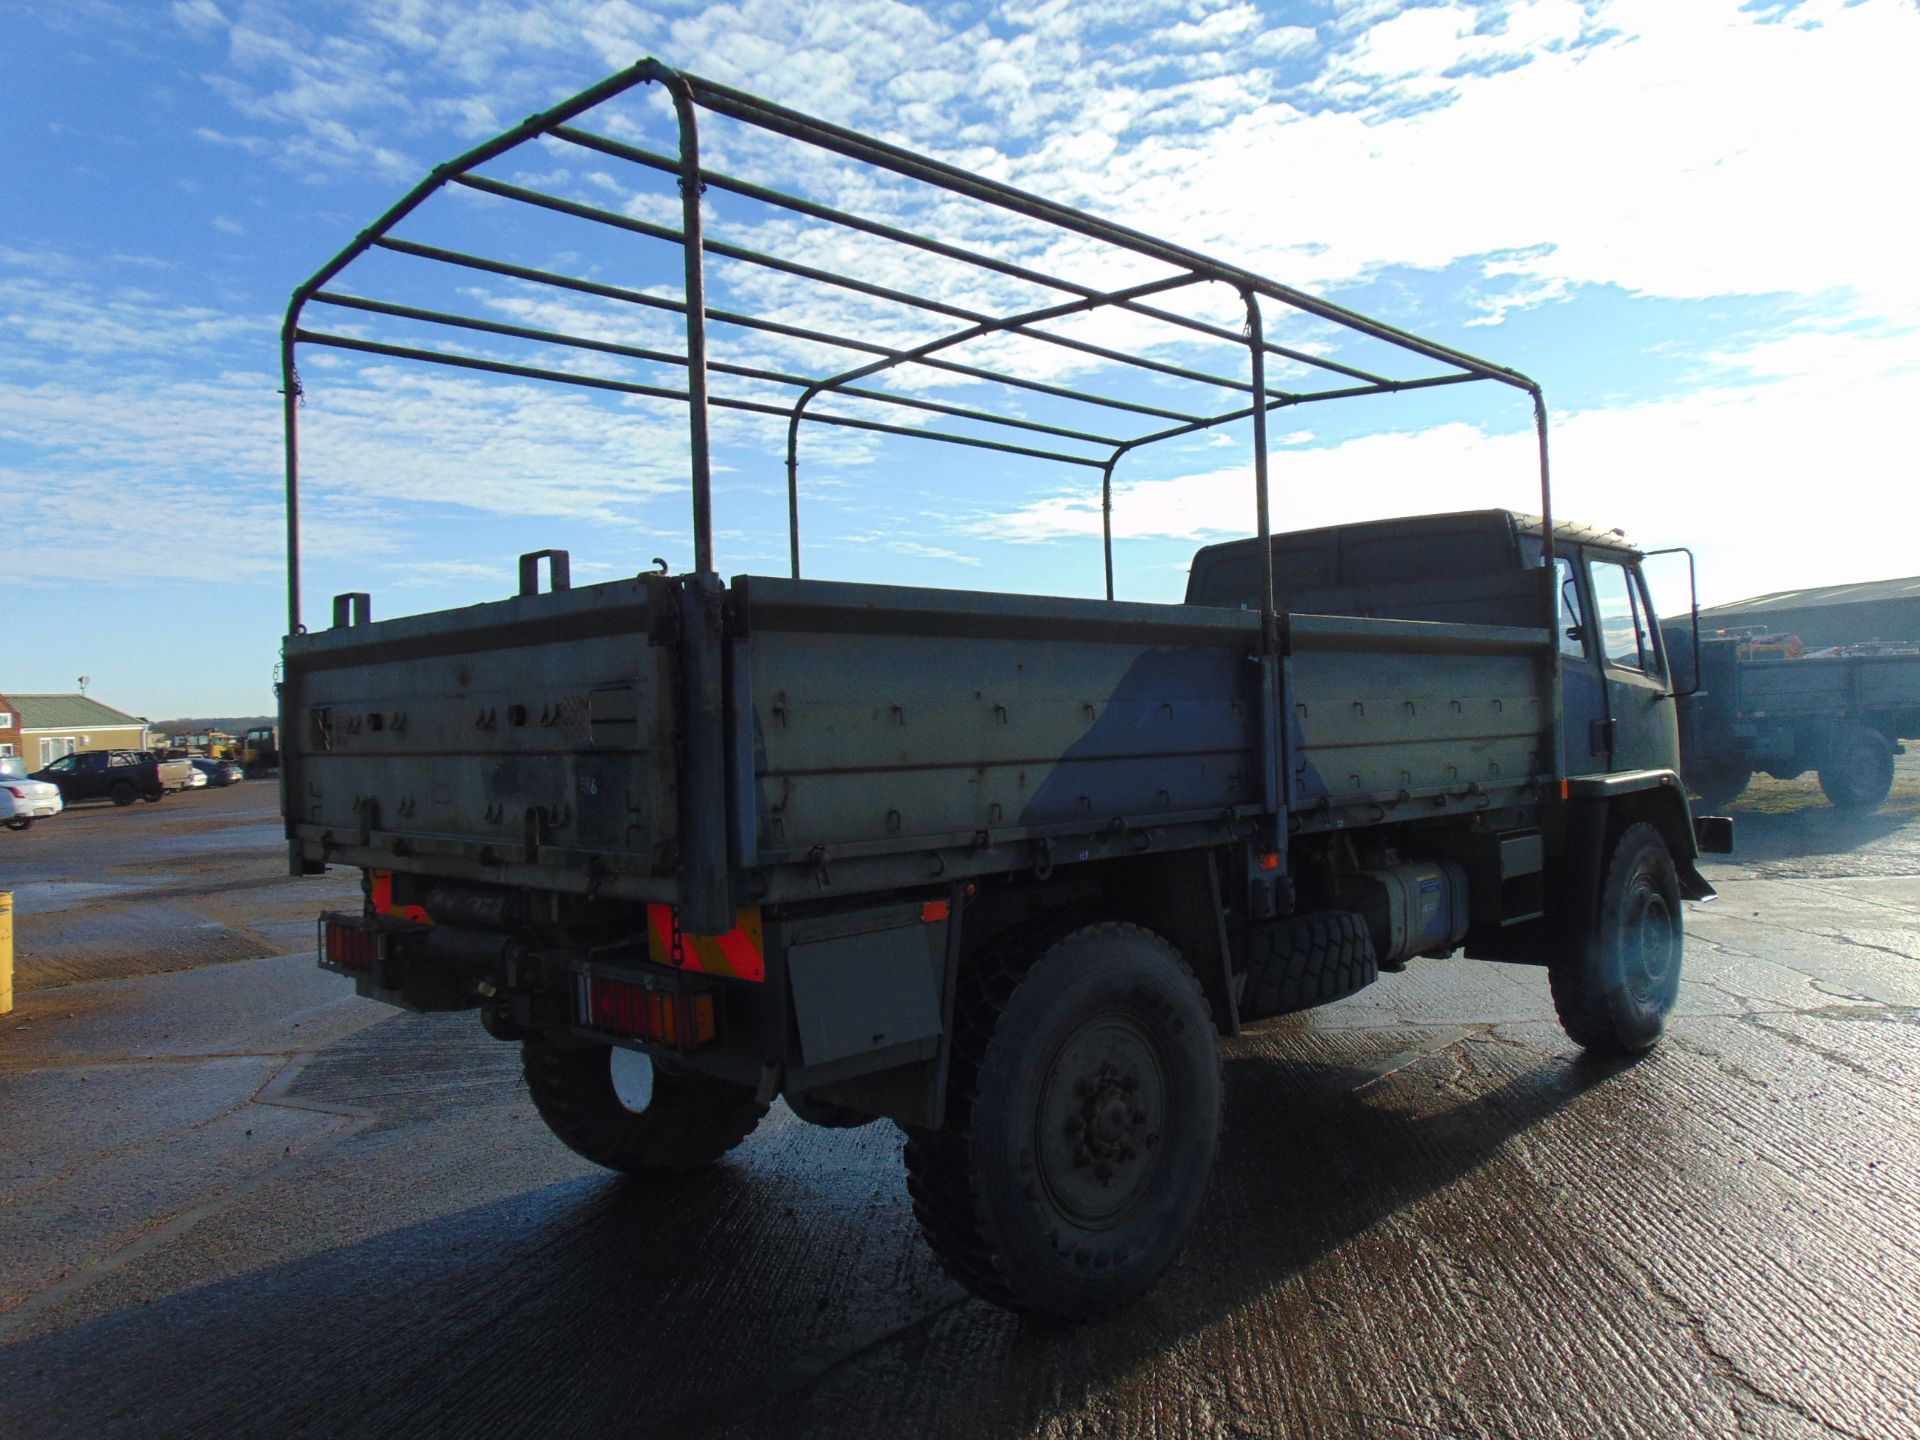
{"points": [[54, 725], [1823, 615]]}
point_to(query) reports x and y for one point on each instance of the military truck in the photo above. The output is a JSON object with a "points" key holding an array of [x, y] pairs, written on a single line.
{"points": [[1762, 703], [1001, 869]]}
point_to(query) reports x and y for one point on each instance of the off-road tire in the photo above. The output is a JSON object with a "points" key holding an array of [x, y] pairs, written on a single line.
{"points": [[689, 1122], [123, 793], [1008, 1193], [1857, 772], [1614, 987], [1716, 789], [1310, 960]]}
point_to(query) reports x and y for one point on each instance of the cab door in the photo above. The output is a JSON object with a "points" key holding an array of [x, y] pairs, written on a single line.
{"points": [[1640, 727], [1583, 694]]}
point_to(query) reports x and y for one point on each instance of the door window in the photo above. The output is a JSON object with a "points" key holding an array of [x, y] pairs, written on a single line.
{"points": [[1573, 641], [1625, 636]]}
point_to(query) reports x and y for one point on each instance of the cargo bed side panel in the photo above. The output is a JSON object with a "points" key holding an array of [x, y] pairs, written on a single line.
{"points": [[888, 718], [1404, 720]]}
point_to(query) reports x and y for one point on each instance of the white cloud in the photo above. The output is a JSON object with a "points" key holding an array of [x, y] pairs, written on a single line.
{"points": [[201, 16], [67, 319], [1767, 499], [1671, 150], [1683, 151]]}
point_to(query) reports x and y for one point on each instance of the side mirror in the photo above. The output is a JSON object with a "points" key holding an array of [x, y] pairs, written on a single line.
{"points": [[1693, 594]]}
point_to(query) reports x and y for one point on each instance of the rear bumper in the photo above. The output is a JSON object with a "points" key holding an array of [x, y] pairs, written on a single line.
{"points": [[39, 807]]}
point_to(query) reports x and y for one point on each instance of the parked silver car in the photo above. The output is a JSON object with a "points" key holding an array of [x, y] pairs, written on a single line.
{"points": [[23, 801]]}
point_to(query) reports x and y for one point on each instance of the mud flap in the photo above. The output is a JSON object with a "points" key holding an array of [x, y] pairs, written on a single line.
{"points": [[1693, 885]]}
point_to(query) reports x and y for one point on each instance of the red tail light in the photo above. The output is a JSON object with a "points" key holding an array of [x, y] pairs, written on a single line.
{"points": [[345, 947], [635, 1011]]}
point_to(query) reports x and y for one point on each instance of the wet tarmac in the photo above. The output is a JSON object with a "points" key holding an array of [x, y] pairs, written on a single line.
{"points": [[241, 1201]]}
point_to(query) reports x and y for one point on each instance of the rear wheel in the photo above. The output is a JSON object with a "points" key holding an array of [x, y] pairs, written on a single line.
{"points": [[622, 1109], [1614, 987], [122, 792], [20, 822], [1083, 1120], [1857, 772]]}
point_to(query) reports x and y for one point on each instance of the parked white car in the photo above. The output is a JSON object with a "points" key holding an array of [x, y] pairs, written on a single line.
{"points": [[23, 801]]}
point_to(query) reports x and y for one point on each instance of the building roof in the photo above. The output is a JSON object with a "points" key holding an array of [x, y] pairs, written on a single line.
{"points": [[62, 712], [1858, 593]]}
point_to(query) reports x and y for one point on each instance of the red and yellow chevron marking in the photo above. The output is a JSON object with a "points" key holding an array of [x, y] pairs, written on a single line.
{"points": [[383, 900], [740, 954]]}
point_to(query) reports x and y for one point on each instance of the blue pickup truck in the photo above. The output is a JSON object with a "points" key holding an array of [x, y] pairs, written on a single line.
{"points": [[121, 776]]}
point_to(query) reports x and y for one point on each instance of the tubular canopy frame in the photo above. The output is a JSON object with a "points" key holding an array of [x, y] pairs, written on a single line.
{"points": [[1100, 447]]}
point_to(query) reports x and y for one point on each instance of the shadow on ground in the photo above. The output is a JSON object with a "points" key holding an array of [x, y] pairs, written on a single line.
{"points": [[705, 1305]]}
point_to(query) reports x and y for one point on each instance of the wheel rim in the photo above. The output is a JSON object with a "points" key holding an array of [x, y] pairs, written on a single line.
{"points": [[1647, 939], [1860, 770], [1100, 1116], [632, 1075]]}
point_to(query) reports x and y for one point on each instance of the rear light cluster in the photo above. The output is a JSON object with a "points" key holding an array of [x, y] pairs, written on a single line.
{"points": [[16, 792], [636, 1011], [345, 946]]}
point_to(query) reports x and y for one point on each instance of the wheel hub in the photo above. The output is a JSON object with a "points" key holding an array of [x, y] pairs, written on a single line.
{"points": [[1648, 941], [1100, 1117]]}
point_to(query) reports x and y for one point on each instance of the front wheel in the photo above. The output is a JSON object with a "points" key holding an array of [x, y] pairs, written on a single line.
{"points": [[1614, 987], [621, 1109], [154, 797], [1857, 772], [1083, 1120]]}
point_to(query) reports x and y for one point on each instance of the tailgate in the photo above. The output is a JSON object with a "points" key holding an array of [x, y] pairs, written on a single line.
{"points": [[526, 741]]}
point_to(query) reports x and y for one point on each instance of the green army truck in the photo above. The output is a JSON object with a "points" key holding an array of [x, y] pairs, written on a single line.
{"points": [[1000, 869], [1761, 704]]}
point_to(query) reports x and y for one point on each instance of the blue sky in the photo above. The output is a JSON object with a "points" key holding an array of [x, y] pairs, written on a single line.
{"points": [[1691, 222]]}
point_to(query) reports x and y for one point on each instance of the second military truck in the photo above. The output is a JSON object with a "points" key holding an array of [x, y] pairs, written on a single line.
{"points": [[1001, 869], [1762, 704]]}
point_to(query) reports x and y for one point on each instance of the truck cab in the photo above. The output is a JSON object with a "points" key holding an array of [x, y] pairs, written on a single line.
{"points": [[1482, 567]]}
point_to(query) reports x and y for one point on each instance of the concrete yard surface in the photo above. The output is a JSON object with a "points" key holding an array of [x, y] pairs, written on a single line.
{"points": [[240, 1201]]}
